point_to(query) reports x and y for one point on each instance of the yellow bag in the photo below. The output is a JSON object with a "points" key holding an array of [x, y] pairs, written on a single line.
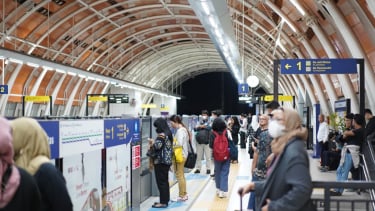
{"points": [[177, 152]]}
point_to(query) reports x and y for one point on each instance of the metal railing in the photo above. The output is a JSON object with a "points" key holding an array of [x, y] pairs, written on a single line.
{"points": [[328, 202]]}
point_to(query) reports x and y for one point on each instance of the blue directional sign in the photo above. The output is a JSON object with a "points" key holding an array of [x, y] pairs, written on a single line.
{"points": [[3, 89], [318, 66], [243, 89]]}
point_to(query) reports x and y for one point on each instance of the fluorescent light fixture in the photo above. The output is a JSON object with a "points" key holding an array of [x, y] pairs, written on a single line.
{"points": [[81, 76], [72, 74], [113, 82], [15, 61], [32, 64], [2, 57], [59, 71], [48, 68], [91, 78], [298, 6], [105, 81], [98, 79]]}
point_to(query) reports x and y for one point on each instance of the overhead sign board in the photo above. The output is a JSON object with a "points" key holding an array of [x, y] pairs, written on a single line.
{"points": [[243, 89], [3, 89], [268, 98], [37, 98], [318, 66], [98, 98]]}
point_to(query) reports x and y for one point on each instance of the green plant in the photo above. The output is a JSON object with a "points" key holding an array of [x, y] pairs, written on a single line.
{"points": [[337, 122]]}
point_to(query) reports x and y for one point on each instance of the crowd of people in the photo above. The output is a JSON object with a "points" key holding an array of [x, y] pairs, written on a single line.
{"points": [[28, 179]]}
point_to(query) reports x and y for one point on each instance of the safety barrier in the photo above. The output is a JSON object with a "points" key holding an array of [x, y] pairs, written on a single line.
{"points": [[353, 202]]}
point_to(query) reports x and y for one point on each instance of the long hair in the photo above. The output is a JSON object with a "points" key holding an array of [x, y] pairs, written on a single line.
{"points": [[177, 119], [162, 125], [293, 129]]}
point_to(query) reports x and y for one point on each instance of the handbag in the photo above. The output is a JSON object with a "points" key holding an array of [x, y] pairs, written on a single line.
{"points": [[152, 152], [177, 152], [191, 158]]}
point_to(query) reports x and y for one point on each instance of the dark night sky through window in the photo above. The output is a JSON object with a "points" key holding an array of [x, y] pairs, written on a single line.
{"points": [[211, 91]]}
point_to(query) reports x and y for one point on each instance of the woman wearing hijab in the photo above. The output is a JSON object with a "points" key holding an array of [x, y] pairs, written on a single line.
{"points": [[288, 183], [18, 188], [163, 160], [32, 152]]}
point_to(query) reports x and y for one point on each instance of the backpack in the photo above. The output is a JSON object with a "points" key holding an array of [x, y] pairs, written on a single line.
{"points": [[202, 136], [220, 146]]}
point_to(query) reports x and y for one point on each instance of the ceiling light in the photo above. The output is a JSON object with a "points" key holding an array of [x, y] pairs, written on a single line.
{"points": [[32, 64], [59, 71], [15, 61], [72, 74], [81, 76], [48, 68]]}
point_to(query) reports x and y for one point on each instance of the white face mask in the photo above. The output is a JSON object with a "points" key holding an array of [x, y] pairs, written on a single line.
{"points": [[275, 129], [204, 117]]}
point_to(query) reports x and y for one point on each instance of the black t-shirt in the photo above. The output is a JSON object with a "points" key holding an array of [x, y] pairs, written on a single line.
{"points": [[27, 197], [370, 127], [358, 137]]}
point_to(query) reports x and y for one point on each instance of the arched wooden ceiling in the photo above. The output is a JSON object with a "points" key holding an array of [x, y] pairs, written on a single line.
{"points": [[162, 43]]}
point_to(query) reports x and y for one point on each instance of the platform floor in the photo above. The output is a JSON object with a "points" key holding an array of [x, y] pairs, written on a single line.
{"points": [[202, 192]]}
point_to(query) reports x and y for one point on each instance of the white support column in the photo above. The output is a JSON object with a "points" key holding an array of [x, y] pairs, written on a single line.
{"points": [[69, 104], [345, 83], [34, 90], [325, 79], [83, 106], [97, 104], [11, 81], [354, 47], [56, 90], [371, 6]]}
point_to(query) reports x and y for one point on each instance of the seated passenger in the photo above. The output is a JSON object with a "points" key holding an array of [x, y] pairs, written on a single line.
{"points": [[32, 152]]}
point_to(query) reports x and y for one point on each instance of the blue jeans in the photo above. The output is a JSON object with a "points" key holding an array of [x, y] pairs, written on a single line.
{"points": [[342, 171], [251, 204], [221, 174]]}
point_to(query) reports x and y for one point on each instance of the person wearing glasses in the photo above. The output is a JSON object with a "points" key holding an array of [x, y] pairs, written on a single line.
{"points": [[288, 183]]}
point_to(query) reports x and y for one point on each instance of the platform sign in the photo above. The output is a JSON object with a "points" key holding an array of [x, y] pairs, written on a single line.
{"points": [[243, 89], [318, 66], [118, 131], [3, 89], [30, 98], [268, 98], [52, 130]]}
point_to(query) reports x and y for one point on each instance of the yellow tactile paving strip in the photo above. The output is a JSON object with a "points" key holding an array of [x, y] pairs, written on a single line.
{"points": [[220, 204]]}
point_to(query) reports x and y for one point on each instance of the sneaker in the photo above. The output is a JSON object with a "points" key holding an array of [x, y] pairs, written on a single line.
{"points": [[208, 171], [180, 198], [335, 193], [223, 194], [197, 171], [217, 192], [212, 175]]}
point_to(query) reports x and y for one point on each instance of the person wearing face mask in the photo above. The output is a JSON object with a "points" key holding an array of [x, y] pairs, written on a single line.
{"points": [[163, 161], [201, 137], [288, 183]]}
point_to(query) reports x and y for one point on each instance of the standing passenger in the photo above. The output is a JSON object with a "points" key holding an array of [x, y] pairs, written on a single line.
{"points": [[19, 190], [353, 140], [322, 136], [288, 183], [202, 134], [261, 153], [32, 152], [370, 126], [219, 128], [163, 161], [243, 131], [182, 139]]}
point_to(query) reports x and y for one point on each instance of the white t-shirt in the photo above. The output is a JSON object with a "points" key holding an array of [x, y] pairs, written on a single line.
{"points": [[323, 132], [182, 138]]}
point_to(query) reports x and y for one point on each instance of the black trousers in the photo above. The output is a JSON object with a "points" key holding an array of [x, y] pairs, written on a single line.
{"points": [[243, 140], [161, 176]]}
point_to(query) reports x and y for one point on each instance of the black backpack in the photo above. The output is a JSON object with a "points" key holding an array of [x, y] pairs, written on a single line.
{"points": [[202, 136]]}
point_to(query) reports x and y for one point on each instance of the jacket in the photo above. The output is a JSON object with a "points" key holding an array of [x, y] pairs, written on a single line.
{"points": [[289, 185]]}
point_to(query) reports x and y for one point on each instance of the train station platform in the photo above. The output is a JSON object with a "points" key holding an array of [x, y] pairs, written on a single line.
{"points": [[202, 192]]}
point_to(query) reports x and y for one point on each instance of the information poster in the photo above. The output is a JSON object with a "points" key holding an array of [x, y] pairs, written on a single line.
{"points": [[82, 173], [136, 157], [81, 136], [118, 178]]}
